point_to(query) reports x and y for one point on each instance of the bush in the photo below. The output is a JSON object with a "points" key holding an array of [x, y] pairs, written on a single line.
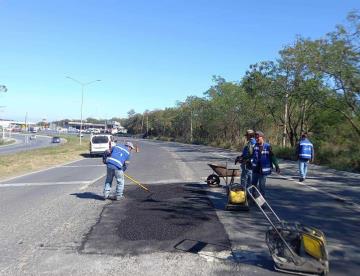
{"points": [[284, 153]]}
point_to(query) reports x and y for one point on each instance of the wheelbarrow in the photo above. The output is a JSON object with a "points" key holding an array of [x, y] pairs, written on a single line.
{"points": [[224, 171]]}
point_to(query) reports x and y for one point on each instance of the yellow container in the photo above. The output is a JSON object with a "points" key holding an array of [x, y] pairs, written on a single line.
{"points": [[314, 246], [237, 197]]}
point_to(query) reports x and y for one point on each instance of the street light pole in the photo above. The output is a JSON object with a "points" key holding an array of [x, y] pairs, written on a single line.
{"points": [[81, 112], [83, 84]]}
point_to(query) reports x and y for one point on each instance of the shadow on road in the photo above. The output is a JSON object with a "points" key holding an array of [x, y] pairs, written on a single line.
{"points": [[87, 155], [88, 195]]}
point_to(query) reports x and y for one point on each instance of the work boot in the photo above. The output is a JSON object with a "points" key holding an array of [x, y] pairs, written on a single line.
{"points": [[106, 195], [301, 179], [118, 198]]}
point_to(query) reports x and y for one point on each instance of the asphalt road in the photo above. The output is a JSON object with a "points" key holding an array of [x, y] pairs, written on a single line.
{"points": [[24, 144], [55, 222]]}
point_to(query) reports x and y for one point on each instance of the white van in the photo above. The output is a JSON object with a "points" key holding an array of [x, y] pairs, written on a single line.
{"points": [[100, 143]]}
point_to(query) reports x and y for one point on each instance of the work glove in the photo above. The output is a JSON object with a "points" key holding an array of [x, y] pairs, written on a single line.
{"points": [[124, 167], [278, 170], [106, 154], [238, 159]]}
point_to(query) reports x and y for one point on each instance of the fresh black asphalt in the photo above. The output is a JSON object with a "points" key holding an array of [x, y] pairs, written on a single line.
{"points": [[174, 217]]}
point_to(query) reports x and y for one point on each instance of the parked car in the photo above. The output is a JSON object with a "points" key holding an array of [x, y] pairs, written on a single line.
{"points": [[100, 143], [55, 139]]}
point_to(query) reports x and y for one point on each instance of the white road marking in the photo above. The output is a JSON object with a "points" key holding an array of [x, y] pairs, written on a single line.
{"points": [[6, 185], [91, 182], [357, 206], [43, 170], [82, 166]]}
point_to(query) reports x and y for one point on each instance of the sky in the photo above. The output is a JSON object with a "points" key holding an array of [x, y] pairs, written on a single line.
{"points": [[147, 54]]}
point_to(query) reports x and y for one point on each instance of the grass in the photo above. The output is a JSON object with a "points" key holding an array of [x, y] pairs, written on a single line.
{"points": [[6, 142], [28, 161]]}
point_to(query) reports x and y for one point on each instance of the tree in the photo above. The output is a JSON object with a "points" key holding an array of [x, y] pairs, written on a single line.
{"points": [[336, 58]]}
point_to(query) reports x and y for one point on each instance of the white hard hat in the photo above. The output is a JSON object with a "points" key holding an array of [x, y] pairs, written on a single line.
{"points": [[130, 145]]}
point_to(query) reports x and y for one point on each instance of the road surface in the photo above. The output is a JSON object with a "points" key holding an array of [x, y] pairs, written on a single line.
{"points": [[23, 143], [55, 222]]}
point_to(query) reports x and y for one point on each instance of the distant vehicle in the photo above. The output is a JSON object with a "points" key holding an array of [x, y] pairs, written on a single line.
{"points": [[61, 130], [80, 135], [113, 131], [100, 143], [55, 139], [33, 137], [34, 129], [16, 129]]}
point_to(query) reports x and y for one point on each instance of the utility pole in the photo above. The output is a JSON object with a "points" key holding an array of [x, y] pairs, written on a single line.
{"points": [[285, 120], [191, 127], [303, 111], [26, 140], [142, 123], [147, 124]]}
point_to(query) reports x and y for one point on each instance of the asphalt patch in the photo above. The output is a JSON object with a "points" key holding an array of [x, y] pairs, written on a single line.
{"points": [[145, 223]]}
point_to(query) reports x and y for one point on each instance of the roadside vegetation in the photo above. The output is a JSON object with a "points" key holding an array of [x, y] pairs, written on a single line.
{"points": [[313, 86], [6, 142], [22, 162]]}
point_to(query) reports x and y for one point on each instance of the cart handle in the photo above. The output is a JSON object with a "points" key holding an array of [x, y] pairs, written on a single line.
{"points": [[260, 201]]}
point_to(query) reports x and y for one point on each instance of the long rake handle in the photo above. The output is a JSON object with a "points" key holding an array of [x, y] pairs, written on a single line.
{"points": [[137, 182]]}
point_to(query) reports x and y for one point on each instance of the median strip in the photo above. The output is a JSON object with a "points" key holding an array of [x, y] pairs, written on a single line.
{"points": [[38, 159]]}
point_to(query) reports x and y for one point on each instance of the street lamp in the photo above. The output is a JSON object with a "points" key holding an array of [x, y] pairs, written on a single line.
{"points": [[83, 84]]}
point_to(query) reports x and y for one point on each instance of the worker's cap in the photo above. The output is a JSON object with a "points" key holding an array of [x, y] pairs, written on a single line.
{"points": [[249, 132], [130, 145], [259, 133], [304, 135]]}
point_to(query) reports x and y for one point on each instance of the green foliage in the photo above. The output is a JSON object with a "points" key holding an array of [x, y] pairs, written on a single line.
{"points": [[284, 153], [314, 86]]}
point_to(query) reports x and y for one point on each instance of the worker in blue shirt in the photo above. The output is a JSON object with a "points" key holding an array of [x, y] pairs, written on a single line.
{"points": [[263, 160], [116, 164], [305, 154]]}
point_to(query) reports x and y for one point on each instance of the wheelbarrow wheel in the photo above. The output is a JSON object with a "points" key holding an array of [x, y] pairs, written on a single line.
{"points": [[213, 180]]}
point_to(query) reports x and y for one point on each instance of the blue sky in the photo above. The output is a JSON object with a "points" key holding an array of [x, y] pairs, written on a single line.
{"points": [[148, 54]]}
